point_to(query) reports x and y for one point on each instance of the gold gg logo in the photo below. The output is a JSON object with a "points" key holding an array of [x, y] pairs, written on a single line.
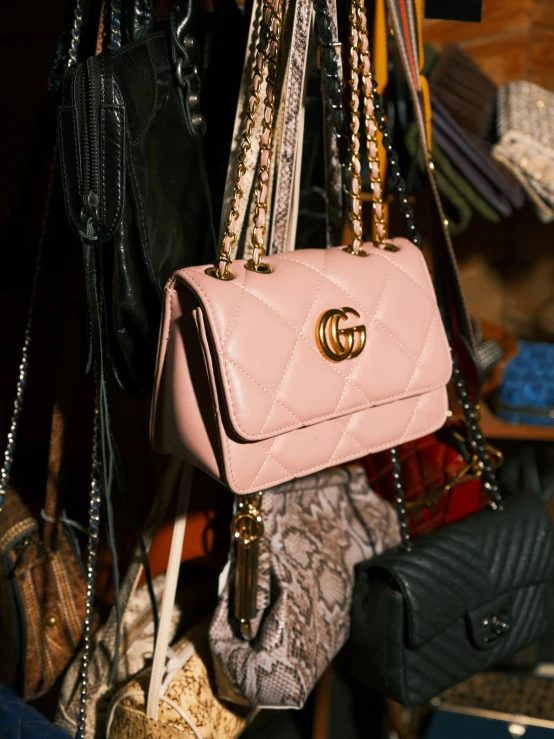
{"points": [[337, 343]]}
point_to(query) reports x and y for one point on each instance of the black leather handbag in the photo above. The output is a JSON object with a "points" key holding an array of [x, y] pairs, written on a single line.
{"points": [[462, 599], [134, 180]]}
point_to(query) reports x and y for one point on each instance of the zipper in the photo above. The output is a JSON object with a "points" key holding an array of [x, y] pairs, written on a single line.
{"points": [[87, 100], [525, 410]]}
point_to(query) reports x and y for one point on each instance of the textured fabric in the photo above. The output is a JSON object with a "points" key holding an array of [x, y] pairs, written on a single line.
{"points": [[526, 145], [42, 600], [20, 721], [136, 627], [465, 597], [429, 464], [527, 391], [187, 686], [315, 530], [506, 692], [282, 409], [137, 645]]}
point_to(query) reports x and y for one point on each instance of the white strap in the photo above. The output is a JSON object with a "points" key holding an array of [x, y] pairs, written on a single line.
{"points": [[168, 600]]}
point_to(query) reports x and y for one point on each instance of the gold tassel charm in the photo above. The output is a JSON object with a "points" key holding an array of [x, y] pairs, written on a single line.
{"points": [[247, 528]]}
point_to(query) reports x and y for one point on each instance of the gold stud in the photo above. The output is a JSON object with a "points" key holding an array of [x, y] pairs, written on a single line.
{"points": [[445, 222], [431, 165], [50, 620]]}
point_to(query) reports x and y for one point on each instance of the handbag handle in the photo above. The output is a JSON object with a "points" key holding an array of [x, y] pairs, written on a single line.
{"points": [[360, 78]]}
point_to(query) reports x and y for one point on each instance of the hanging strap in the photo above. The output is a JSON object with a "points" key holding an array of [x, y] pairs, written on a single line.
{"points": [[334, 134], [168, 599], [381, 68], [456, 316], [288, 151]]}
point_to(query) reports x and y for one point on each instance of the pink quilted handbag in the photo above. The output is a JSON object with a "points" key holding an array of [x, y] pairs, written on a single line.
{"points": [[279, 368]]}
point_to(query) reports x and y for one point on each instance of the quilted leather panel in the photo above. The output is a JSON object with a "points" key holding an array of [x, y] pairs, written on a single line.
{"points": [[20, 721], [413, 642], [261, 332], [484, 556]]}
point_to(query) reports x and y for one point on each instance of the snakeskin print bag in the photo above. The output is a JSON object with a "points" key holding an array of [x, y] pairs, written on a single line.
{"points": [[315, 530]]}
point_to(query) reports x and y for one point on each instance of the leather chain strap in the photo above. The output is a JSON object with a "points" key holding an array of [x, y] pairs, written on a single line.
{"points": [[270, 19]]}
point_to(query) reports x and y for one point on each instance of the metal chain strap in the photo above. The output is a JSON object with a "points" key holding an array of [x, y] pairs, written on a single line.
{"points": [[92, 549], [371, 127], [328, 51], [76, 33], [272, 27], [355, 167], [115, 38], [23, 372], [221, 268], [476, 440]]}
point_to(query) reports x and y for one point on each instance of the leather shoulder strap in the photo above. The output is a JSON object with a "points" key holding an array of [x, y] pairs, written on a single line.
{"points": [[448, 283]]}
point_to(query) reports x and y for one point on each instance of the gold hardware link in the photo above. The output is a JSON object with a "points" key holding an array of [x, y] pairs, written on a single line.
{"points": [[214, 272], [247, 528], [361, 69], [263, 268], [329, 336]]}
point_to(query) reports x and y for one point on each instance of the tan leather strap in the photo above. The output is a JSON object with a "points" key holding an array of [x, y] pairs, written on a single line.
{"points": [[170, 591]]}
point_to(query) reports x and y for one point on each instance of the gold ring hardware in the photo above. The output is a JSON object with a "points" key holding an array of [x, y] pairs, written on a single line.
{"points": [[247, 527], [338, 344], [263, 268], [387, 246], [214, 272], [360, 253]]}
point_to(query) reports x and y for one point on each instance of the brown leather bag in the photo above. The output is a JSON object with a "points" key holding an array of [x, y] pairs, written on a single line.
{"points": [[42, 586]]}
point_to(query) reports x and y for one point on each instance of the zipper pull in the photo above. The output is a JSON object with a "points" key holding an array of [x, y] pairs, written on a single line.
{"points": [[247, 528], [89, 211]]}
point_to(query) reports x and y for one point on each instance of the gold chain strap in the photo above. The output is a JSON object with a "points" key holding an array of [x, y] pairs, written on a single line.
{"points": [[260, 213], [268, 51], [360, 71]]}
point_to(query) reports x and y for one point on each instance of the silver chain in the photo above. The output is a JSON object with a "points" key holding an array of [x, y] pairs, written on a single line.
{"points": [[9, 452], [116, 24], [76, 33], [92, 549]]}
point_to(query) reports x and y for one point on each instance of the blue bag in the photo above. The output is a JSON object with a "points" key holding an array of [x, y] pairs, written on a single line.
{"points": [[527, 391], [18, 720]]}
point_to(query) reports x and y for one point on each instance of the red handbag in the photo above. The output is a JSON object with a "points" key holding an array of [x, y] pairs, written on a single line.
{"points": [[441, 479]]}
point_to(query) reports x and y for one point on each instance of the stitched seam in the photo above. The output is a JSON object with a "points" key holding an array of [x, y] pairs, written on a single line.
{"points": [[139, 211], [405, 349], [419, 363], [68, 602], [266, 391], [296, 343], [347, 379], [390, 260], [378, 253], [346, 458], [61, 599], [64, 162], [119, 115], [235, 313]]}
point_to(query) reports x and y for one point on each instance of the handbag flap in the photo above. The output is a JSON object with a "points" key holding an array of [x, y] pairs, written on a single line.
{"points": [[264, 336], [466, 566]]}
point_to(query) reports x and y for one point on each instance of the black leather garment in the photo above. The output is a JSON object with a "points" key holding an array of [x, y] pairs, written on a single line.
{"points": [[465, 597], [135, 186]]}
